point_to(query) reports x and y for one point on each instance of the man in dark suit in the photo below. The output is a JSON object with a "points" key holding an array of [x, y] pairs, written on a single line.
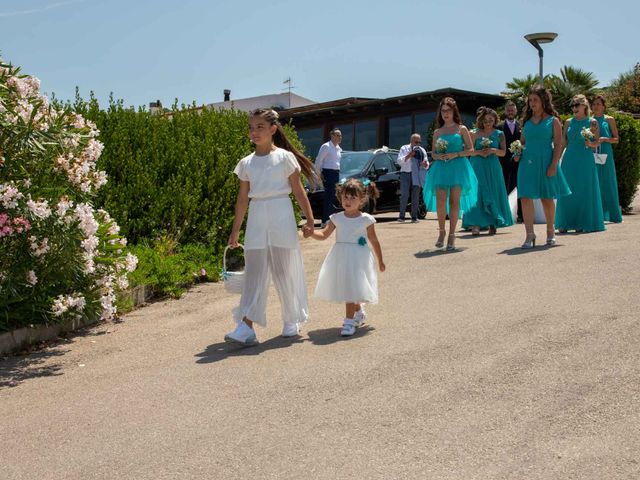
{"points": [[511, 130]]}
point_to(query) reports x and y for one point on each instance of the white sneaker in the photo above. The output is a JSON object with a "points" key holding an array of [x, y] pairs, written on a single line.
{"points": [[242, 335], [348, 327], [290, 330], [360, 316]]}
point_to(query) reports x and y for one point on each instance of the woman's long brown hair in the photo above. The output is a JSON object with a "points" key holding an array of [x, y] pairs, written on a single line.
{"points": [[547, 103]]}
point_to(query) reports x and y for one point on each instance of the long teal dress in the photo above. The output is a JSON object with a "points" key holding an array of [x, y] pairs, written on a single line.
{"points": [[607, 177], [492, 206], [535, 160], [444, 175], [582, 210]]}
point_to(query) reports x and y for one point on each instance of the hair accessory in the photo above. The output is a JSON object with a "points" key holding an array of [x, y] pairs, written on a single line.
{"points": [[275, 114], [366, 182]]}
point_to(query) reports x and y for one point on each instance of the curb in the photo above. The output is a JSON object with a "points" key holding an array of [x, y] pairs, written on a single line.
{"points": [[16, 340]]}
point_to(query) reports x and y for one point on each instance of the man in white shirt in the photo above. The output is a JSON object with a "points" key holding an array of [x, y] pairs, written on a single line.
{"points": [[328, 166], [413, 162]]}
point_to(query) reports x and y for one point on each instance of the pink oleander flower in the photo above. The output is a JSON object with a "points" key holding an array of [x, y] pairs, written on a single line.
{"points": [[9, 195], [4, 218], [39, 248], [32, 278], [63, 303], [88, 224], [131, 262], [39, 209], [21, 224]]}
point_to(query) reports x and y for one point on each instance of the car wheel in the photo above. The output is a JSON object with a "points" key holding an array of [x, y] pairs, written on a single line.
{"points": [[422, 210], [371, 206]]}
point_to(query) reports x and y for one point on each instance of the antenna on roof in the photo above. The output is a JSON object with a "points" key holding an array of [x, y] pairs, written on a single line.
{"points": [[288, 88]]}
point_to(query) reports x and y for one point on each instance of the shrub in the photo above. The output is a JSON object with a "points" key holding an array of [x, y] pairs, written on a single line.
{"points": [[627, 159], [59, 256]]}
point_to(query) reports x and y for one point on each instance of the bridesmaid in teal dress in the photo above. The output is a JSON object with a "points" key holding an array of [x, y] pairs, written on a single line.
{"points": [[492, 207], [582, 210], [607, 171], [451, 185], [539, 175]]}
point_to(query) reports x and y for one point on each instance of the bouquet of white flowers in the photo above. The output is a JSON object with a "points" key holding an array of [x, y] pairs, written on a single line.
{"points": [[441, 145], [486, 142], [587, 134], [516, 147]]}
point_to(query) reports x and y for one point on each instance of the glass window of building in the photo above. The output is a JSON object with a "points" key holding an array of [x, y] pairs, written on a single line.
{"points": [[366, 135], [312, 140], [468, 119], [423, 124], [400, 129], [347, 135]]}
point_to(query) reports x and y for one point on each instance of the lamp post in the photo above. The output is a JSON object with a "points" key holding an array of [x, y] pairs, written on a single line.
{"points": [[536, 39]]}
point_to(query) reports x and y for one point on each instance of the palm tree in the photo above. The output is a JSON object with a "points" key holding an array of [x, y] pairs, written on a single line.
{"points": [[518, 89], [571, 82]]}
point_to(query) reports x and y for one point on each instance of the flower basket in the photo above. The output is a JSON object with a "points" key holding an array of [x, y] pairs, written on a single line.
{"points": [[233, 281]]}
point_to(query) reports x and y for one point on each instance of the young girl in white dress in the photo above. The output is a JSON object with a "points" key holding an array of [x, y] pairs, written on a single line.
{"points": [[271, 246], [348, 274]]}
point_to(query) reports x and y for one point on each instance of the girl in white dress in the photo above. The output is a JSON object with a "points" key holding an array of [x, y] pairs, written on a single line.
{"points": [[267, 177], [348, 274]]}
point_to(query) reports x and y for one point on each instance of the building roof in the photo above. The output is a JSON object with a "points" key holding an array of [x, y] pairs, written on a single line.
{"points": [[277, 101], [356, 103]]}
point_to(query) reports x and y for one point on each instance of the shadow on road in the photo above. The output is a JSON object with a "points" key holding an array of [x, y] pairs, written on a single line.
{"points": [[437, 252], [15, 370], [523, 251], [219, 351], [327, 336]]}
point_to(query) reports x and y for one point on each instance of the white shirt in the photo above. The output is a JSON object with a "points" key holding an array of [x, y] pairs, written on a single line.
{"points": [[512, 125], [329, 156], [405, 165], [268, 175]]}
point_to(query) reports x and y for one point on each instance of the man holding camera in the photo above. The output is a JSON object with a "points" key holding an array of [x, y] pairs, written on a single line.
{"points": [[413, 162]]}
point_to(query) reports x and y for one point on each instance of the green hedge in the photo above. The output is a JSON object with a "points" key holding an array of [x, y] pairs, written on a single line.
{"points": [[627, 158]]}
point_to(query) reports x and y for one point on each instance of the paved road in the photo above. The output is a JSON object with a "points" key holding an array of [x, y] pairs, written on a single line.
{"points": [[488, 363]]}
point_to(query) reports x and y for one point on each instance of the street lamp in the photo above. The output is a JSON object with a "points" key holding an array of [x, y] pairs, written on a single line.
{"points": [[536, 39]]}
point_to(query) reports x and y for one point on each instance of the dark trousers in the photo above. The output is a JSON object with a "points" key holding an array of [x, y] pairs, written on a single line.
{"points": [[329, 179], [407, 188], [510, 173]]}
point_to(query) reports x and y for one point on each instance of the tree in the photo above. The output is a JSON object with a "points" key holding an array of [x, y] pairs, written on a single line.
{"points": [[518, 89], [571, 82], [624, 93]]}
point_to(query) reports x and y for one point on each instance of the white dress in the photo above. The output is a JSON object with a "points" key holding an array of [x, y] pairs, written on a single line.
{"points": [[272, 248], [348, 274]]}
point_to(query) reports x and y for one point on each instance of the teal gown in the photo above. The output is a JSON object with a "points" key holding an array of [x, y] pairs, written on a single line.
{"points": [[582, 210], [492, 206], [607, 177], [535, 160], [444, 175]]}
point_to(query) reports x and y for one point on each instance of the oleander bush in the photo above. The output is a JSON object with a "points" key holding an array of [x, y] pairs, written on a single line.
{"points": [[60, 255]]}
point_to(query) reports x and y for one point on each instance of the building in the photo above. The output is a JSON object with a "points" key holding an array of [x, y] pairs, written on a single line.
{"points": [[372, 122], [277, 101]]}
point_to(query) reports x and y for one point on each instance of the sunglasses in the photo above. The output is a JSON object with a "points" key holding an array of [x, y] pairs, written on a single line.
{"points": [[575, 105], [445, 110]]}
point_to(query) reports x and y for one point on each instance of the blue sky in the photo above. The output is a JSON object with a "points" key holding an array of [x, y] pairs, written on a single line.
{"points": [[144, 50]]}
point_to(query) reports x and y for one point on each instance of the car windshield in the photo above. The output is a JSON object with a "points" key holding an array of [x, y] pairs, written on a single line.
{"points": [[352, 163]]}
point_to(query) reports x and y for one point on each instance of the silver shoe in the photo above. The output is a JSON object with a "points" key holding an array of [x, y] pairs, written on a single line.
{"points": [[441, 235], [451, 242], [530, 242], [551, 239]]}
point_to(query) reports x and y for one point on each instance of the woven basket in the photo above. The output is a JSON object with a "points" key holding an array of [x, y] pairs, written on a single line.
{"points": [[233, 281]]}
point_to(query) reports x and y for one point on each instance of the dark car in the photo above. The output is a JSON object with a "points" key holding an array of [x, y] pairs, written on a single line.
{"points": [[379, 166]]}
